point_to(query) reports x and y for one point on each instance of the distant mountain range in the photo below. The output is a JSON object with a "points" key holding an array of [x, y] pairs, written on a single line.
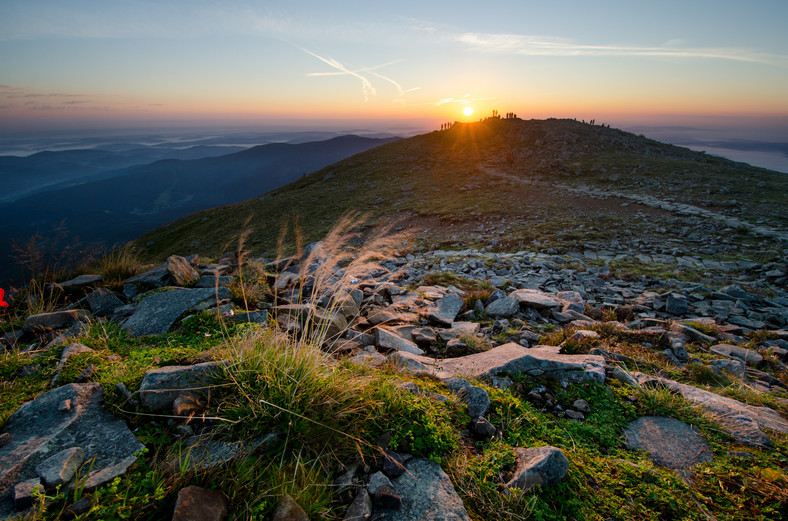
{"points": [[117, 205]]}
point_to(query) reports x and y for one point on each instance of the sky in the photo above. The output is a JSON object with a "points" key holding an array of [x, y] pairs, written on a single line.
{"points": [[80, 63]]}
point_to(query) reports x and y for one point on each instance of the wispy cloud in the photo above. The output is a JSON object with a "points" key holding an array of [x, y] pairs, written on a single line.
{"points": [[550, 46], [367, 88]]}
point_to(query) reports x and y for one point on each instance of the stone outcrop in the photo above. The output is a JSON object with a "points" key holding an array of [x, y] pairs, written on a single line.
{"points": [[67, 423], [670, 442], [427, 493], [156, 314]]}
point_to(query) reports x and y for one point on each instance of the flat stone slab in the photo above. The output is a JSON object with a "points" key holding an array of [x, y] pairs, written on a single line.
{"points": [[670, 443], [389, 339], [427, 493], [512, 358], [743, 354], [743, 422], [533, 298], [160, 387], [156, 314], [63, 418]]}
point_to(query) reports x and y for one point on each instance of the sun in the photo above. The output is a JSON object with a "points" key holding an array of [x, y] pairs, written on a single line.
{"points": [[468, 111]]}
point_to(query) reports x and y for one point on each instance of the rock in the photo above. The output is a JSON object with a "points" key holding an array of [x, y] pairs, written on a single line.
{"points": [[81, 280], [369, 358], [153, 278], [78, 508], [289, 510], [24, 494], [103, 302], [187, 404], [383, 316], [253, 317], [545, 466], [157, 313], [212, 281], [734, 367], [423, 336], [747, 356], [361, 507], [206, 453], [60, 468], [376, 480], [39, 429], [670, 442], [427, 493], [388, 339], [581, 406], [181, 272], [676, 305], [511, 358], [476, 398], [532, 298], [502, 308], [484, 429], [742, 421], [73, 350], [691, 333], [160, 387], [574, 415], [45, 322], [323, 322], [446, 309], [624, 376], [200, 504], [386, 498], [393, 464]]}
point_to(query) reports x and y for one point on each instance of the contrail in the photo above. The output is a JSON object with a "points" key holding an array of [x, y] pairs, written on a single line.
{"points": [[366, 86]]}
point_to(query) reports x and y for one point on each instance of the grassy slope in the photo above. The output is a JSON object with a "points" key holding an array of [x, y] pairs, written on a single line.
{"points": [[501, 170]]}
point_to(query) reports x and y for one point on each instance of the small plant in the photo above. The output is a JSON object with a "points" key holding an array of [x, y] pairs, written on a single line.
{"points": [[119, 265], [474, 343], [704, 375]]}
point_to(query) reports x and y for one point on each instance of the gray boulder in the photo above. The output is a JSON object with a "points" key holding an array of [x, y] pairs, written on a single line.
{"points": [[361, 507], [181, 272], [670, 443], [60, 468], [502, 308], [743, 354], [45, 322], [157, 313], [476, 398], [388, 339], [533, 298], [446, 309], [67, 417], [103, 302], [160, 387], [427, 493], [545, 466], [512, 358]]}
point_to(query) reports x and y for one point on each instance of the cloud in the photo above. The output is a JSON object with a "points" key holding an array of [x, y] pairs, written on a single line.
{"points": [[549, 46], [367, 88], [75, 102]]}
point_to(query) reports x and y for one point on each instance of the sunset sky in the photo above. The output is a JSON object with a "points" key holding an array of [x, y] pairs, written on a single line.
{"points": [[110, 62]]}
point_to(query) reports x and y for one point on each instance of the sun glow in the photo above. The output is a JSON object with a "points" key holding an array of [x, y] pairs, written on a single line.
{"points": [[468, 111]]}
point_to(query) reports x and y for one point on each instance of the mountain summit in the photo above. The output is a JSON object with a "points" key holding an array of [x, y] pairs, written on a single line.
{"points": [[510, 184]]}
